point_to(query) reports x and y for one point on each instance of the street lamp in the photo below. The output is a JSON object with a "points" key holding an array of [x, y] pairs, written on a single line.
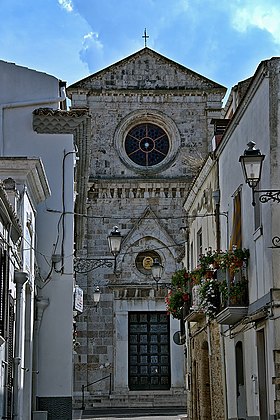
{"points": [[157, 269], [96, 296], [85, 265], [251, 163], [115, 240]]}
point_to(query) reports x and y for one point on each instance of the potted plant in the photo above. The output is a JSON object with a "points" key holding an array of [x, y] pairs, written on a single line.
{"points": [[209, 293], [235, 293], [175, 301]]}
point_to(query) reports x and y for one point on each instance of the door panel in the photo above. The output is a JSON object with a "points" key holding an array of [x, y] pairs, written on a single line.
{"points": [[149, 355]]}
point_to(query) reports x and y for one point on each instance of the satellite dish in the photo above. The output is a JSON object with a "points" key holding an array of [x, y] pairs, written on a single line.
{"points": [[177, 338]]}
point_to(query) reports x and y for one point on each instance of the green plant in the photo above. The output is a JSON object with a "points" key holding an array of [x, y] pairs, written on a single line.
{"points": [[233, 260], [235, 293], [209, 293], [175, 301], [207, 259], [181, 278]]}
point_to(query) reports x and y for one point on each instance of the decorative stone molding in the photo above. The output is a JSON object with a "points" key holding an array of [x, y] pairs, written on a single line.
{"points": [[76, 122]]}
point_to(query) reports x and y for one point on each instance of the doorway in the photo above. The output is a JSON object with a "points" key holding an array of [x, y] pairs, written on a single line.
{"points": [[262, 374], [149, 351], [240, 383]]}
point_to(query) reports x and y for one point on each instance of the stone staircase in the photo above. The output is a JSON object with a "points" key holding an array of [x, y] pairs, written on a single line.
{"points": [[124, 412], [133, 399]]}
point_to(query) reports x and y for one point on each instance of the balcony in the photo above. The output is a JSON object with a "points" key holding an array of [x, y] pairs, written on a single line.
{"points": [[195, 314], [217, 289], [235, 307], [230, 315], [224, 301]]}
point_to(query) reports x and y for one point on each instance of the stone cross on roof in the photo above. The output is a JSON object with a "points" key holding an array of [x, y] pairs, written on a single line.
{"points": [[146, 37]]}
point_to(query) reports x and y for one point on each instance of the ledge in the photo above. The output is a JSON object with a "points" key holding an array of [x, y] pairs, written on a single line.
{"points": [[231, 315], [195, 316]]}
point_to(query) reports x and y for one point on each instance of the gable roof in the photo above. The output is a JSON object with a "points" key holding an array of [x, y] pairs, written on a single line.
{"points": [[145, 69]]}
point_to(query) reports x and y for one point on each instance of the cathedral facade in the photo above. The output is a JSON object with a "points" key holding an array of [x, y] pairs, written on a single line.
{"points": [[151, 128]]}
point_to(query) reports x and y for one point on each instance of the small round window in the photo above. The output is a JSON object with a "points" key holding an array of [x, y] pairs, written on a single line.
{"points": [[145, 260], [147, 144]]}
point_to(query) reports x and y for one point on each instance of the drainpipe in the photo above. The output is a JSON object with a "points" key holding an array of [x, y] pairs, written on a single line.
{"points": [[41, 305], [20, 278], [224, 377]]}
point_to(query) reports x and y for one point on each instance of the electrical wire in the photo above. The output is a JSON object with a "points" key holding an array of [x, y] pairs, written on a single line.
{"points": [[185, 216]]}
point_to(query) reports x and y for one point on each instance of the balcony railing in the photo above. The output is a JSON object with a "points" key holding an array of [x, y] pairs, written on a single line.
{"points": [[235, 306], [226, 300]]}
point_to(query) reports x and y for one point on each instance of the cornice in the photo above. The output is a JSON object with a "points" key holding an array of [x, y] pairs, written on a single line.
{"points": [[77, 122], [29, 172]]}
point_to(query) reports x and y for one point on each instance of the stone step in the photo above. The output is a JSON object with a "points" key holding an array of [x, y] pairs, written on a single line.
{"points": [[135, 400], [128, 411]]}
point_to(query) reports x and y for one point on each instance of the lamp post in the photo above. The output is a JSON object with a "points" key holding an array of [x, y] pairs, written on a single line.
{"points": [[85, 265], [251, 163], [157, 269]]}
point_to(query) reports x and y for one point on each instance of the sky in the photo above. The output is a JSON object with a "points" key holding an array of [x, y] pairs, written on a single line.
{"points": [[223, 40]]}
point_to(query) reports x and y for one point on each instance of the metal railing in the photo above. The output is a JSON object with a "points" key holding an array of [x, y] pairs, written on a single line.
{"points": [[95, 382]]}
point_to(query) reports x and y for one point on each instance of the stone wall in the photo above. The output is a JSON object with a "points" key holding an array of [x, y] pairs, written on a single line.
{"points": [[205, 396]]}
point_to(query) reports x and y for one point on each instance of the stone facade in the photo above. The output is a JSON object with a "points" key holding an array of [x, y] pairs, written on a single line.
{"points": [[145, 199], [205, 365], [207, 400]]}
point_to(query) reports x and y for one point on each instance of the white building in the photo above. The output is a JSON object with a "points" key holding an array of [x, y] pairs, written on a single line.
{"points": [[248, 345], [26, 130], [252, 346], [25, 184], [10, 238]]}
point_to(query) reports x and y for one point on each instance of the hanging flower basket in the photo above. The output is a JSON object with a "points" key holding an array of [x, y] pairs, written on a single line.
{"points": [[175, 301], [210, 301]]}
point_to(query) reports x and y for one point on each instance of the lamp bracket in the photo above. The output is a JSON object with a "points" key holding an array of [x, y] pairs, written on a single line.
{"points": [[268, 195], [276, 242], [85, 265]]}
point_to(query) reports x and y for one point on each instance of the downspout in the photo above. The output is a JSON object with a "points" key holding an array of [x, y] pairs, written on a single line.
{"points": [[41, 305], [223, 356], [20, 278], [218, 243], [10, 105]]}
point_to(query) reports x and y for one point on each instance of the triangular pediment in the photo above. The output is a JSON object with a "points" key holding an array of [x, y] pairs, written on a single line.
{"points": [[147, 235], [150, 228], [145, 69]]}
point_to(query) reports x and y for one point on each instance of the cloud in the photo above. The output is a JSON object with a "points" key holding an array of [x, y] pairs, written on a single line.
{"points": [[92, 49], [66, 4], [256, 14]]}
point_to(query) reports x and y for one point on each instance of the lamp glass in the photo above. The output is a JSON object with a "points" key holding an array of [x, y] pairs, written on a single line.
{"points": [[96, 295], [115, 240], [156, 270], [252, 167]]}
